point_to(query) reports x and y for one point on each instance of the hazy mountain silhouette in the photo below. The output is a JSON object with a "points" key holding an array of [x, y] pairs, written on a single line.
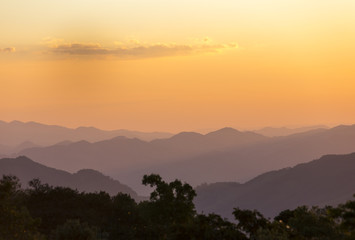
{"points": [[251, 160], [223, 155], [84, 180], [15, 133], [284, 131], [4, 149], [124, 152], [329, 180], [9, 150], [121, 155], [191, 143]]}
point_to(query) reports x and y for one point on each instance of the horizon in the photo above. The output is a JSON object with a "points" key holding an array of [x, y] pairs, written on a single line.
{"points": [[201, 131]]}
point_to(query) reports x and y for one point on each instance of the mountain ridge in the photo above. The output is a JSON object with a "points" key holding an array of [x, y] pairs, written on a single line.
{"points": [[328, 180], [87, 180], [242, 164], [223, 155], [16, 132]]}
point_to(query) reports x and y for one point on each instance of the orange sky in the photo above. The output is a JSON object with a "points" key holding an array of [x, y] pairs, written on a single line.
{"points": [[178, 65]]}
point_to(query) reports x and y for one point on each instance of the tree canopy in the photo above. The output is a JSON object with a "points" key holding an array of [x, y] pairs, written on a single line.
{"points": [[53, 213]]}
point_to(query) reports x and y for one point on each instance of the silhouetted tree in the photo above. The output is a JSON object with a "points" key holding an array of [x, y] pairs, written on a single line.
{"points": [[170, 212], [15, 220], [250, 221], [309, 223], [344, 214], [74, 230], [45, 202], [213, 226], [125, 221]]}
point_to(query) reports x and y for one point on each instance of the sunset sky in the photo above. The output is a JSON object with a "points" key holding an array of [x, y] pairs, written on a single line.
{"points": [[158, 65]]}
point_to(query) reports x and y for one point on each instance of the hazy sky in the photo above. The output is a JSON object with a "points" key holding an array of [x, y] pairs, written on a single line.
{"points": [[178, 64]]}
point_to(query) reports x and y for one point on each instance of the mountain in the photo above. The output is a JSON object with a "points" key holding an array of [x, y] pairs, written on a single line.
{"points": [[329, 180], [121, 156], [284, 131], [9, 150], [223, 155], [191, 143], [84, 180], [4, 149], [123, 153], [15, 133], [243, 163]]}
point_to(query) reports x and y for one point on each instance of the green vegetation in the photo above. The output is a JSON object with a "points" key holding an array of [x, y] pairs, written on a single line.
{"points": [[45, 212]]}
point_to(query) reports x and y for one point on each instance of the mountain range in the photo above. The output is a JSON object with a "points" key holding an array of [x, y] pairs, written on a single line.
{"points": [[16, 135], [86, 180], [240, 164], [223, 155], [329, 180], [121, 157], [285, 131]]}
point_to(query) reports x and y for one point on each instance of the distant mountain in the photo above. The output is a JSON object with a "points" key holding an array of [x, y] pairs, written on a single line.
{"points": [[195, 143], [242, 164], [4, 149], [84, 180], [122, 152], [123, 156], [223, 155], [283, 131], [15, 133], [9, 150], [329, 180]]}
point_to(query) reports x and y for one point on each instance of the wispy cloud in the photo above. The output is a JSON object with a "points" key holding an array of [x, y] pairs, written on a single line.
{"points": [[136, 49], [80, 49], [7, 50]]}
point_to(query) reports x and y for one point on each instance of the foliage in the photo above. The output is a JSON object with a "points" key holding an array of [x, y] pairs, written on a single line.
{"points": [[344, 214], [275, 231], [54, 213], [250, 221], [44, 202], [15, 220], [170, 212], [124, 218], [305, 223], [213, 226], [74, 230]]}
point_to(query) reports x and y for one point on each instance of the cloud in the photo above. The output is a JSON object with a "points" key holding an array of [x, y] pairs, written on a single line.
{"points": [[136, 49], [7, 50], [80, 49]]}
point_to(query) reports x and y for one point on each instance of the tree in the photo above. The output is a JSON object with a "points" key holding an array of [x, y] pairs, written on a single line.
{"points": [[212, 227], [344, 214], [74, 230], [56, 205], [170, 212], [15, 220], [250, 221], [174, 200], [309, 223], [125, 222], [275, 231]]}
